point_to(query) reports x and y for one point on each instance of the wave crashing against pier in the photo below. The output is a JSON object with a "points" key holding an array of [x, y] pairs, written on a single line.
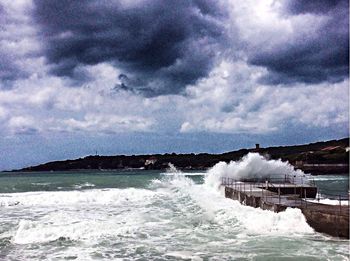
{"points": [[275, 185]]}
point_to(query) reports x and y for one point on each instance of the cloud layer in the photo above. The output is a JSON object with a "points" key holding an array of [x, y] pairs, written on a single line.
{"points": [[164, 46], [317, 52], [167, 69], [155, 42]]}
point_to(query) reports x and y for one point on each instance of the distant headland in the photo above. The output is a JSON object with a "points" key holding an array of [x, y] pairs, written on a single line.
{"points": [[327, 157]]}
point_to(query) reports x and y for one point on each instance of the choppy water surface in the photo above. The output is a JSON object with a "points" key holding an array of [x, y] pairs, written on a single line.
{"points": [[147, 215]]}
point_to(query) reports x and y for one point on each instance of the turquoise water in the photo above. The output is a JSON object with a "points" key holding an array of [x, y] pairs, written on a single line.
{"points": [[333, 185], [149, 215], [62, 181]]}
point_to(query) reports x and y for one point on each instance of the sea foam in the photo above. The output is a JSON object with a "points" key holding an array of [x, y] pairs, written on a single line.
{"points": [[170, 217], [76, 197], [254, 166]]}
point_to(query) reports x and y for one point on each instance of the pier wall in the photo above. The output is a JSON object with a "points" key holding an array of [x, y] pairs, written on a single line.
{"points": [[332, 220], [334, 224], [242, 197]]}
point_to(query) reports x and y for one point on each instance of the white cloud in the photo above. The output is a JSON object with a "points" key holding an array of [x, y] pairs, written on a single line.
{"points": [[260, 24], [3, 113], [108, 123], [238, 103], [19, 46], [54, 105], [229, 100], [22, 125]]}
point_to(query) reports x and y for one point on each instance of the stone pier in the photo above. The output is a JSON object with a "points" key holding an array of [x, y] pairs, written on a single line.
{"points": [[329, 219]]}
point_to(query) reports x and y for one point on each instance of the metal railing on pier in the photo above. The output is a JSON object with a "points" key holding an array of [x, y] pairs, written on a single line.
{"points": [[270, 189]]}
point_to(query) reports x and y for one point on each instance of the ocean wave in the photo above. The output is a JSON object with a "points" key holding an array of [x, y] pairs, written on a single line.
{"points": [[184, 174], [329, 201], [255, 166], [84, 185], [224, 211], [329, 178], [41, 183], [92, 196], [173, 218]]}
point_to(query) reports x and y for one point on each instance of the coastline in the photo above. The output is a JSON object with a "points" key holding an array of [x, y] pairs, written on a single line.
{"points": [[330, 157]]}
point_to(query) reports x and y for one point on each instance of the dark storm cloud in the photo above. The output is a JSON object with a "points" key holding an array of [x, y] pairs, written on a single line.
{"points": [[163, 45], [7, 68], [318, 57], [307, 6], [9, 71]]}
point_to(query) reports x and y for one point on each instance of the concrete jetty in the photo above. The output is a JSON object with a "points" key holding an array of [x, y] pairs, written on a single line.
{"points": [[277, 196]]}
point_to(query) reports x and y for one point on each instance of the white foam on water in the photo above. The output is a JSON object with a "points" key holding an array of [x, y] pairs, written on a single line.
{"points": [[91, 215], [174, 218], [265, 222], [329, 178], [41, 183], [253, 220], [87, 216], [254, 166], [172, 169], [329, 201], [184, 174], [66, 226], [84, 185], [93, 196], [187, 255]]}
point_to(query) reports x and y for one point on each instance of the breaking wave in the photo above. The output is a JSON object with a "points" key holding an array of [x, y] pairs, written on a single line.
{"points": [[177, 202], [254, 166], [171, 217], [110, 197]]}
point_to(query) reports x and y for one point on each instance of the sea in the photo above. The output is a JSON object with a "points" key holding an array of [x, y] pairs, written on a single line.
{"points": [[150, 215]]}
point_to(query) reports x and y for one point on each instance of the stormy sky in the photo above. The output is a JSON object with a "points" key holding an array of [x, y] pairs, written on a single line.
{"points": [[146, 76]]}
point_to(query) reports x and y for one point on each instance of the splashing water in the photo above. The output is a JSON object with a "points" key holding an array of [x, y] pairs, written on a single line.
{"points": [[161, 218], [172, 169], [254, 166]]}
